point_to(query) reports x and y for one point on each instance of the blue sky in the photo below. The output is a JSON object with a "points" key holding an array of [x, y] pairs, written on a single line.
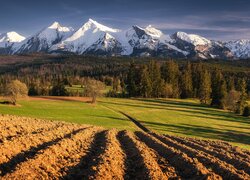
{"points": [[215, 19]]}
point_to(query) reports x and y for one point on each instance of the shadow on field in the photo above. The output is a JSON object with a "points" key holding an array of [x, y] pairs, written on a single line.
{"points": [[62, 98], [9, 166], [200, 109], [201, 131], [83, 169], [184, 107], [110, 117]]}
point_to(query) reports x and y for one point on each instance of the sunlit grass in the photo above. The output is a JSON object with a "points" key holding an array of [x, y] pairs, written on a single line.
{"points": [[186, 118], [167, 116]]}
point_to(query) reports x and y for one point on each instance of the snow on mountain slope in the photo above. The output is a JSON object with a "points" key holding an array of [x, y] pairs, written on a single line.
{"points": [[55, 32], [200, 47], [44, 39], [151, 42], [193, 39], [7, 39], [240, 48], [157, 34], [97, 39], [106, 45], [86, 36]]}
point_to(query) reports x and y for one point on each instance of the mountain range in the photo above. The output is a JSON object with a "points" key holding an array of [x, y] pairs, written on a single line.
{"points": [[94, 38]]}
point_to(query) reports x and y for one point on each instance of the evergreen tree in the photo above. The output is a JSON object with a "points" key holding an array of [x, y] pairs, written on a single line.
{"points": [[231, 85], [222, 94], [170, 73], [243, 97], [131, 80], [145, 85], [197, 71], [219, 89], [205, 87], [155, 78], [59, 90], [186, 82]]}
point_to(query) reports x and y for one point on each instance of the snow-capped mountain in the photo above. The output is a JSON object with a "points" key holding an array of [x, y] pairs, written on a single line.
{"points": [[240, 48], [43, 40], [200, 47], [193, 39], [151, 42], [93, 38], [7, 40]]}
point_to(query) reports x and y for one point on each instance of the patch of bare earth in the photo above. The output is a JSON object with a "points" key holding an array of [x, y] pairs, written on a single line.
{"points": [[39, 149]]}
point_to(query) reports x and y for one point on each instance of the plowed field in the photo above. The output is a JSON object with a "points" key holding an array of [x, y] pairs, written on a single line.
{"points": [[37, 149]]}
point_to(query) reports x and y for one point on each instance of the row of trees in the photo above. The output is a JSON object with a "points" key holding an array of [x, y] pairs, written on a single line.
{"points": [[16, 89], [222, 87], [192, 81]]}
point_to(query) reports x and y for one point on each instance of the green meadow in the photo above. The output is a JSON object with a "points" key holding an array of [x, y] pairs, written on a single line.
{"points": [[69, 111], [167, 116]]}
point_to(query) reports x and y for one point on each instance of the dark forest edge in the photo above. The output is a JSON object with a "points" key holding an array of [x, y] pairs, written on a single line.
{"points": [[219, 83]]}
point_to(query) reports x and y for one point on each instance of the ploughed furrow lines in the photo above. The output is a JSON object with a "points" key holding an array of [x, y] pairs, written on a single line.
{"points": [[235, 160], [26, 132], [84, 170], [18, 146], [220, 146], [54, 161], [111, 163], [12, 129], [185, 166], [142, 162], [24, 156], [134, 164], [227, 171]]}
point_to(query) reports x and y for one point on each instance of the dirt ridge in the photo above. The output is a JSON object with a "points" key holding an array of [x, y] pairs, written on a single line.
{"points": [[39, 149]]}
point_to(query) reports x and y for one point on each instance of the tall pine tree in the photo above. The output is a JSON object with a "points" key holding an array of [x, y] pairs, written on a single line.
{"points": [[155, 78], [132, 80], [205, 87], [145, 84], [170, 73], [243, 97], [197, 71], [219, 89], [186, 82]]}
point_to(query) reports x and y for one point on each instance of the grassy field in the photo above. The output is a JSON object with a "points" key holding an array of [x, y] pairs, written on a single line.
{"points": [[69, 111], [175, 117], [186, 118]]}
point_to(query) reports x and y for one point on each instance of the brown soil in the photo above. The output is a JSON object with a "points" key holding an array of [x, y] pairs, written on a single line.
{"points": [[38, 149], [61, 98]]}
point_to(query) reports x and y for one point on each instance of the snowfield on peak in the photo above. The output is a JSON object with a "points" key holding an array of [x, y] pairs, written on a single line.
{"points": [[94, 38], [84, 37], [43, 40], [55, 32], [240, 48], [193, 39], [7, 39]]}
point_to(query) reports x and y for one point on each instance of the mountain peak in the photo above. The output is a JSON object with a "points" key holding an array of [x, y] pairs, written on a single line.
{"points": [[137, 27], [55, 25], [153, 31], [92, 24], [92, 20], [11, 37], [193, 38]]}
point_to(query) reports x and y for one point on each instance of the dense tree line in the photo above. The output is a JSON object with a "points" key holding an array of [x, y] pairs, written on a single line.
{"points": [[218, 83], [190, 81]]}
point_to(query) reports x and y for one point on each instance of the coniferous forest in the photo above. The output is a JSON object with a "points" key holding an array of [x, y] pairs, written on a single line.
{"points": [[219, 83]]}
